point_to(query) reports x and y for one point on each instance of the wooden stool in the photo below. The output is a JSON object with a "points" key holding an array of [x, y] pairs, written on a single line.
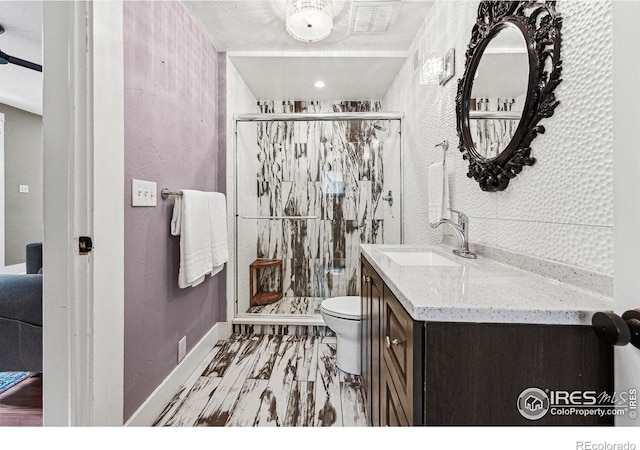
{"points": [[264, 297]]}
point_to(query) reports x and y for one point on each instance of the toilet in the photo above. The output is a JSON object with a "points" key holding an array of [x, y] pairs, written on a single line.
{"points": [[342, 315]]}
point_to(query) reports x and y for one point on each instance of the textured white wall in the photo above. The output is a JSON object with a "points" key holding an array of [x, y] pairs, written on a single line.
{"points": [[560, 209], [240, 100]]}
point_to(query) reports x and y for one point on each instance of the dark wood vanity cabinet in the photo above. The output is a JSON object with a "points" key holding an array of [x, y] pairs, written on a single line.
{"points": [[461, 373]]}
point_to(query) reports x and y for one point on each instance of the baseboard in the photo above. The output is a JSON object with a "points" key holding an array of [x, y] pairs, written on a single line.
{"points": [[164, 393]]}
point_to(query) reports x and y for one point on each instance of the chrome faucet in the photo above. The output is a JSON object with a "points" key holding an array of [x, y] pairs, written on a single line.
{"points": [[462, 231]]}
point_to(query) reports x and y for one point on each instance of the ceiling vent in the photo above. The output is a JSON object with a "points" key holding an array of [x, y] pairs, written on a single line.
{"points": [[372, 16]]}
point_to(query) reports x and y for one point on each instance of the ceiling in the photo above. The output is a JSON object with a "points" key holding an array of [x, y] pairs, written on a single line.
{"points": [[292, 78], [276, 66], [272, 63], [259, 26], [21, 87]]}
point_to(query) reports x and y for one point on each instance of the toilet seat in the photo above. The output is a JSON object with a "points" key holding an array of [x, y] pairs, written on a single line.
{"points": [[347, 308]]}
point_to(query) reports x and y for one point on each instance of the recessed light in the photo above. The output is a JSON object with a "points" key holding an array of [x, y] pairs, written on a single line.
{"points": [[319, 84]]}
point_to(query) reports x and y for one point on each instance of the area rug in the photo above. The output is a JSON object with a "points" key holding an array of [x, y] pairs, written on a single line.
{"points": [[9, 379]]}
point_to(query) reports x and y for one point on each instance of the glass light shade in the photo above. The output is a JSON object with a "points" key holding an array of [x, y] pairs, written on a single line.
{"points": [[431, 69], [309, 20]]}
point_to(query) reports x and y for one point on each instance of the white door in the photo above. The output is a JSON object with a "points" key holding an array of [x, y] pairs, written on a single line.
{"points": [[626, 123], [83, 300]]}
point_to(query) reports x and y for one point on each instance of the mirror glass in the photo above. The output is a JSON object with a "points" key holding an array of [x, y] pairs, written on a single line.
{"points": [[499, 92]]}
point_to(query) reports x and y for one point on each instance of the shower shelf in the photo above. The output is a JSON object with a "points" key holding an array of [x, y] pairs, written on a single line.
{"points": [[258, 297]]}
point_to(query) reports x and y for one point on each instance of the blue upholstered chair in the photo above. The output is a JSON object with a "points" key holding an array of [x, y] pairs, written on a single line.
{"points": [[21, 316]]}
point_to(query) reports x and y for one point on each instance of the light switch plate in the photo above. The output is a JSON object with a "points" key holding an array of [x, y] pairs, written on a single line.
{"points": [[144, 193], [24, 188]]}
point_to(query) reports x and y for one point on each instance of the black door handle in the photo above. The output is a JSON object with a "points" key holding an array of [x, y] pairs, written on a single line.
{"points": [[615, 330], [632, 319], [611, 328]]}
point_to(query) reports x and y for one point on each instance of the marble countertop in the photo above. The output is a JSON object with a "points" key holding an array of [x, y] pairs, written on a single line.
{"points": [[481, 290]]}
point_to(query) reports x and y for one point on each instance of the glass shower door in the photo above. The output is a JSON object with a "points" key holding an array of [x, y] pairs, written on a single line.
{"points": [[308, 194]]}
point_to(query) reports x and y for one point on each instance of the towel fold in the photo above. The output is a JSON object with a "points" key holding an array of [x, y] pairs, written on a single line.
{"points": [[200, 219], [438, 185]]}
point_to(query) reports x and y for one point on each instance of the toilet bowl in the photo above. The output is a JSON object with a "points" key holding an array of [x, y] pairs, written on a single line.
{"points": [[342, 315]]}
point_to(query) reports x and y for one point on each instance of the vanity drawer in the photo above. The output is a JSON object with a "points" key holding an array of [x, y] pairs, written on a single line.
{"points": [[401, 340]]}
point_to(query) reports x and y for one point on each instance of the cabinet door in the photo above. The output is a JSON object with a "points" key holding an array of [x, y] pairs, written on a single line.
{"points": [[377, 293], [392, 411], [365, 338], [371, 296], [402, 358]]}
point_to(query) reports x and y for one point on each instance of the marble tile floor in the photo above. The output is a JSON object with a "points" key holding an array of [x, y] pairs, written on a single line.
{"points": [[269, 380], [290, 305]]}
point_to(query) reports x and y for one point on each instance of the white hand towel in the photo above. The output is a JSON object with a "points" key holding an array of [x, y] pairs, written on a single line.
{"points": [[199, 218], [218, 227], [438, 185]]}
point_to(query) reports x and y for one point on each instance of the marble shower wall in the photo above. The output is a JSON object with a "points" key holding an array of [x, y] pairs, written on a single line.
{"points": [[331, 170]]}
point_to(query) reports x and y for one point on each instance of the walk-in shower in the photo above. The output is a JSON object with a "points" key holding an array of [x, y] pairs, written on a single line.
{"points": [[309, 189]]}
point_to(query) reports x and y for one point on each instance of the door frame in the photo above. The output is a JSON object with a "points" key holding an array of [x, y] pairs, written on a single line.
{"points": [[83, 296], [626, 163]]}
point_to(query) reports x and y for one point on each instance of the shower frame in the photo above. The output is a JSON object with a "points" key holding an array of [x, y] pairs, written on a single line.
{"points": [[297, 319]]}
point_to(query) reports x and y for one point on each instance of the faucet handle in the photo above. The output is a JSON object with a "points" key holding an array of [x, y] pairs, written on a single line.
{"points": [[462, 217]]}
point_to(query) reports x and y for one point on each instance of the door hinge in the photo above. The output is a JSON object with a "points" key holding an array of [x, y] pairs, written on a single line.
{"points": [[85, 245]]}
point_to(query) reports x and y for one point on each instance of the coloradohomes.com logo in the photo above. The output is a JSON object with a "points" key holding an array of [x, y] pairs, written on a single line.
{"points": [[534, 403]]}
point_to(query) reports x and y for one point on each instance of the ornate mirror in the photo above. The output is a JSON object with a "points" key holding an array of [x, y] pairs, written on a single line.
{"points": [[512, 68]]}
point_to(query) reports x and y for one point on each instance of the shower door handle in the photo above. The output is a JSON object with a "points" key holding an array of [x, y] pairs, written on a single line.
{"points": [[388, 198], [281, 217]]}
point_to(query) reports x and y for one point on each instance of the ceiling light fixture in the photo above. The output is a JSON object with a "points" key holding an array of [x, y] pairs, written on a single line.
{"points": [[309, 20], [319, 84], [431, 69]]}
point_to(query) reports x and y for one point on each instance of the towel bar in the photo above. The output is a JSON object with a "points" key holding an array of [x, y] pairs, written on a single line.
{"points": [[166, 193], [495, 115]]}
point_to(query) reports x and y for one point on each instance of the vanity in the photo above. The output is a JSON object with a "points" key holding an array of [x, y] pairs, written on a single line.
{"points": [[454, 341]]}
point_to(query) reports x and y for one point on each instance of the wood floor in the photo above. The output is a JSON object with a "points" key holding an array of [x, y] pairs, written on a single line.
{"points": [[21, 405], [269, 380]]}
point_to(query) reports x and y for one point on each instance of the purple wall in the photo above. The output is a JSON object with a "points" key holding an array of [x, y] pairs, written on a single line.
{"points": [[175, 136]]}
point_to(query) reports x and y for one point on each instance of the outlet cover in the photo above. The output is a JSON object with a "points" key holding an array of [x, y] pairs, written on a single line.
{"points": [[182, 348], [24, 188], [143, 193]]}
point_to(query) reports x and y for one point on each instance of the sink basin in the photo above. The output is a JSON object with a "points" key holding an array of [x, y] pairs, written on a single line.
{"points": [[425, 258]]}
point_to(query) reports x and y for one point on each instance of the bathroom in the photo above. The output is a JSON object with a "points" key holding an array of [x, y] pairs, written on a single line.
{"points": [[352, 177]]}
